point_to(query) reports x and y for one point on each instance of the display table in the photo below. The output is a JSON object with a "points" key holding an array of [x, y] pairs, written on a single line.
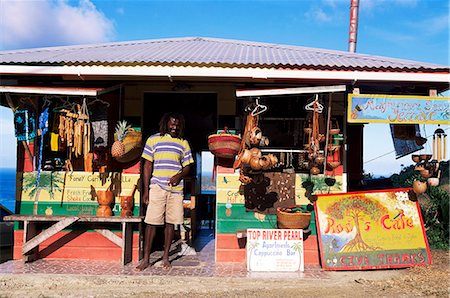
{"points": [[34, 235]]}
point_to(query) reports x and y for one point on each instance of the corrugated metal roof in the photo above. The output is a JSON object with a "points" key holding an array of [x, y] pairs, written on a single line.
{"points": [[199, 51]]}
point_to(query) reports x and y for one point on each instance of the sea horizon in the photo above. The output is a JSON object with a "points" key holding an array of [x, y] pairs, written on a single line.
{"points": [[8, 188]]}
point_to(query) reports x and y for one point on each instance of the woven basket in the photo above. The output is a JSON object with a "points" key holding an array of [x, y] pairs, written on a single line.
{"points": [[297, 220], [224, 145]]}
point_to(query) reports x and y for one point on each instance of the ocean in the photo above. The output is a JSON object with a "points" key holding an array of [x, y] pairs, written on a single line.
{"points": [[8, 188]]}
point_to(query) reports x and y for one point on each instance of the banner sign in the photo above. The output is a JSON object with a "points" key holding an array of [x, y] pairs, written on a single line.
{"points": [[364, 108], [370, 230], [275, 250]]}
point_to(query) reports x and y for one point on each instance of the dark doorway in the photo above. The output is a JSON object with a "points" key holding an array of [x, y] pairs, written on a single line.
{"points": [[200, 113], [198, 109]]}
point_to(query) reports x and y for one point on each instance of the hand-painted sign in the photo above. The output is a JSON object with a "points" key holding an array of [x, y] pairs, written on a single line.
{"points": [[370, 230], [275, 250], [394, 109], [61, 193]]}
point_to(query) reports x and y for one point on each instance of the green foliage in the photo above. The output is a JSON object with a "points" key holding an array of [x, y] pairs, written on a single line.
{"points": [[434, 204], [436, 217], [405, 178]]}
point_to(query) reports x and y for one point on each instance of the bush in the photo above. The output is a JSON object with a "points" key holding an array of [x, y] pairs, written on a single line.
{"points": [[434, 204]]}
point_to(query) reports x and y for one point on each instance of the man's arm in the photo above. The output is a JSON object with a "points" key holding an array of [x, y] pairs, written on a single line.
{"points": [[175, 179], [147, 175]]}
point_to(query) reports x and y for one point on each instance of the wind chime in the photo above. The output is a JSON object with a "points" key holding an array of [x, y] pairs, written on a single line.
{"points": [[439, 145]]}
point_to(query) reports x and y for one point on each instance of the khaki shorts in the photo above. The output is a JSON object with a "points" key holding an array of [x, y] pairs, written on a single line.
{"points": [[164, 206]]}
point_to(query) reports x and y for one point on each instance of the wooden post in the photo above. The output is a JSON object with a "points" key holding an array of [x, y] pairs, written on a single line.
{"points": [[127, 243], [29, 232]]}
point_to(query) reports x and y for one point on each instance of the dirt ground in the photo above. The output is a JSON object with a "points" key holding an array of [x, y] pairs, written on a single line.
{"points": [[430, 281]]}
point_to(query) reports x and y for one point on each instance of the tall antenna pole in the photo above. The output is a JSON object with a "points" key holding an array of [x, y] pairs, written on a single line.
{"points": [[354, 6]]}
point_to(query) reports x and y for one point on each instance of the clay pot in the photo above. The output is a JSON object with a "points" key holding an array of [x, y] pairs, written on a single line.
{"points": [[105, 197], [419, 187], [314, 171], [426, 173], [104, 210], [255, 152], [265, 162], [419, 167], [433, 181], [254, 164], [245, 156], [273, 159], [415, 158]]}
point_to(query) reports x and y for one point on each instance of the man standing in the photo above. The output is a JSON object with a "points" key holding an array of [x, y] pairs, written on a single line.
{"points": [[167, 159]]}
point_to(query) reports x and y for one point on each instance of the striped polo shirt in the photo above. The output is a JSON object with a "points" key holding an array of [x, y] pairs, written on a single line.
{"points": [[169, 155]]}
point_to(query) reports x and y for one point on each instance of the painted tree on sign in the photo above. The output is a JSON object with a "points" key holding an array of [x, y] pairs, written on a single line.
{"points": [[357, 207], [49, 181]]}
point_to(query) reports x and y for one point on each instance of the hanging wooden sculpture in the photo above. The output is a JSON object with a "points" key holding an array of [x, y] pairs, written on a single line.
{"points": [[314, 137]]}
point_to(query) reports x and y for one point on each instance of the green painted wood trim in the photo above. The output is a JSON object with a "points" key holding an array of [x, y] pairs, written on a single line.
{"points": [[242, 220]]}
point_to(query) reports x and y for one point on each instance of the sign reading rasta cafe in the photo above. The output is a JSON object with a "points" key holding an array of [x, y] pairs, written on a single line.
{"points": [[275, 250], [370, 230], [394, 109]]}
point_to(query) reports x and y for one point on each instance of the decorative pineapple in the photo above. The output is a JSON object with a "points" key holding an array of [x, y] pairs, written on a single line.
{"points": [[118, 148]]}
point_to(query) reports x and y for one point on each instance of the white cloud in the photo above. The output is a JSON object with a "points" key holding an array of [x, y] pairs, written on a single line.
{"points": [[431, 26], [318, 14], [372, 4], [392, 37], [333, 3], [25, 24], [120, 11]]}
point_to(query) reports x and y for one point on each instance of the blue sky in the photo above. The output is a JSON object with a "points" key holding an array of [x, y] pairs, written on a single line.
{"points": [[408, 29]]}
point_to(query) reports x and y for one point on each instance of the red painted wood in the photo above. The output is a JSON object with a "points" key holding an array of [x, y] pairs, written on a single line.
{"points": [[27, 163], [226, 241], [230, 255], [227, 249], [89, 245], [134, 169]]}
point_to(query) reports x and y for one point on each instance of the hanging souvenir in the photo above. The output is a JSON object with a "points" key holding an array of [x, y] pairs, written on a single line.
{"points": [[43, 127], [24, 125]]}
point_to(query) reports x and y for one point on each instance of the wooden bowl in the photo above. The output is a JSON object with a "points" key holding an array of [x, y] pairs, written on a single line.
{"points": [[415, 158], [334, 131], [426, 157], [333, 164]]}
